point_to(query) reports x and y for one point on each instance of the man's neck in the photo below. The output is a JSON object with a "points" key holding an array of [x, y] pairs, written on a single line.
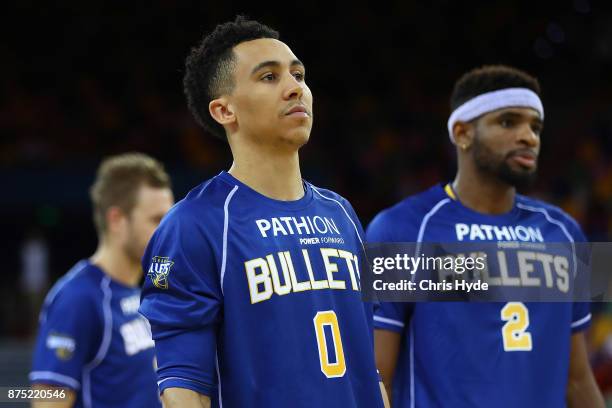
{"points": [[483, 193], [116, 264], [274, 174]]}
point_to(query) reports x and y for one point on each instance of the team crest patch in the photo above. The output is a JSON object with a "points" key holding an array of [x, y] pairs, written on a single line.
{"points": [[62, 344], [159, 270]]}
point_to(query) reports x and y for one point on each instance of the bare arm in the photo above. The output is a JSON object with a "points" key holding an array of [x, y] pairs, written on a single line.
{"points": [[386, 347], [66, 403], [582, 390], [184, 398]]}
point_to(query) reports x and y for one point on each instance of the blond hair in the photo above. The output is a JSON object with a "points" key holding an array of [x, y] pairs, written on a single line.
{"points": [[118, 180]]}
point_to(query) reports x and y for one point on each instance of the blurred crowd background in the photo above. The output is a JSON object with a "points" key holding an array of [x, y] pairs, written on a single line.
{"points": [[85, 80]]}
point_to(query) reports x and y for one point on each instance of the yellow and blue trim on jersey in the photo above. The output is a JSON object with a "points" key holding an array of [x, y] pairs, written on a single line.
{"points": [[448, 189]]}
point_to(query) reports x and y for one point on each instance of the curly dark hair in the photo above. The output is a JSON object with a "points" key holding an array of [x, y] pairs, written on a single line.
{"points": [[490, 78], [210, 66]]}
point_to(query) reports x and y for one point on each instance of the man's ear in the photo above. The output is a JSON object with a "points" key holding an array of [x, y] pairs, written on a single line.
{"points": [[463, 134], [115, 219], [221, 111]]}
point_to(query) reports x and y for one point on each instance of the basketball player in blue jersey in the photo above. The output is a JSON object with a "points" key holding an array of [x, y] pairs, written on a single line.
{"points": [[91, 340], [254, 292], [487, 354]]}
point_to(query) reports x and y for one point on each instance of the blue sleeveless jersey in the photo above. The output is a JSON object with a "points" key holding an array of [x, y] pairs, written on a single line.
{"points": [[256, 302], [463, 354], [92, 340]]}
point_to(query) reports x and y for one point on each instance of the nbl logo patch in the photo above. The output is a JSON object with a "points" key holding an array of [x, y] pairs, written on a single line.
{"points": [[159, 270], [63, 345]]}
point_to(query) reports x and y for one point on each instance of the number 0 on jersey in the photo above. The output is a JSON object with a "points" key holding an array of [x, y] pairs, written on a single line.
{"points": [[329, 318]]}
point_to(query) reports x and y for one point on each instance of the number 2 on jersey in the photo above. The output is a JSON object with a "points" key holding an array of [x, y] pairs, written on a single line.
{"points": [[329, 318], [514, 333]]}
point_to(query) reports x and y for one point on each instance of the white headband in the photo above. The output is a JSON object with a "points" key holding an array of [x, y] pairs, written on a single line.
{"points": [[491, 101]]}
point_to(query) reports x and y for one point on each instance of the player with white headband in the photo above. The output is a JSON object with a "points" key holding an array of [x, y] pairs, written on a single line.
{"points": [[492, 101], [480, 124], [477, 355]]}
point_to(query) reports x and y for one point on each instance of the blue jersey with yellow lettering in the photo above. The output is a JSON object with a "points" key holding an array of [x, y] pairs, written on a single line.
{"points": [[92, 339], [464, 354], [256, 302]]}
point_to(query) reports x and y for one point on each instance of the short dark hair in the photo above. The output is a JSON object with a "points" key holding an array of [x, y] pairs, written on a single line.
{"points": [[118, 181], [490, 78], [210, 66]]}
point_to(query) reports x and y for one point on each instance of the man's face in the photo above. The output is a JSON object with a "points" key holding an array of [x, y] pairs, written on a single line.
{"points": [[271, 101], [507, 143], [151, 205]]}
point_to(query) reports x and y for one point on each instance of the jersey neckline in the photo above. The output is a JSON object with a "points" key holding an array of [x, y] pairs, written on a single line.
{"points": [[511, 215], [298, 204], [99, 271]]}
